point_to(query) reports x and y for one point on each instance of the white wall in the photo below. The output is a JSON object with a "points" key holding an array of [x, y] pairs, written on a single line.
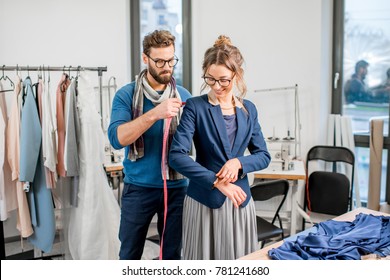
{"points": [[89, 33], [56, 33], [284, 43]]}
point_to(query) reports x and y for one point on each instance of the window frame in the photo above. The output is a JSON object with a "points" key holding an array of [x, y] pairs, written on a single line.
{"points": [[135, 41], [337, 86]]}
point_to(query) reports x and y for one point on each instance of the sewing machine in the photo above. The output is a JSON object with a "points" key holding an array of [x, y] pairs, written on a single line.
{"points": [[280, 155]]}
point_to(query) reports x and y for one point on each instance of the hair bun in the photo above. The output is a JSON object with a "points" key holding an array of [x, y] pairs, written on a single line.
{"points": [[222, 40]]}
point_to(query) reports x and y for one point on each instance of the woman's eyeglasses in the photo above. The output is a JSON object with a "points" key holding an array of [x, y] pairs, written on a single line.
{"points": [[222, 82]]}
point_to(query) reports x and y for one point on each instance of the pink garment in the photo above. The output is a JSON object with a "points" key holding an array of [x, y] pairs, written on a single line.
{"points": [[23, 223], [7, 187], [13, 134], [60, 103], [13, 152]]}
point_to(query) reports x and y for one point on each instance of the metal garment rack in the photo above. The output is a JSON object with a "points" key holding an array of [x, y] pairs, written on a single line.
{"points": [[297, 118], [64, 69]]}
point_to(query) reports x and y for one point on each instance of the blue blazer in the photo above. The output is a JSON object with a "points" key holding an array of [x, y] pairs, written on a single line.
{"points": [[203, 123]]}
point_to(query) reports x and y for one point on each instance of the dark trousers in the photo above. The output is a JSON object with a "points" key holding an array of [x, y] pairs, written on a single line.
{"points": [[139, 205]]}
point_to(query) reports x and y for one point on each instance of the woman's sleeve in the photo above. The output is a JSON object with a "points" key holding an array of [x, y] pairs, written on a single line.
{"points": [[179, 158]]}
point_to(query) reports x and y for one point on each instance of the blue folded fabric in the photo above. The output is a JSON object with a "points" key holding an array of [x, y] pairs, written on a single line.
{"points": [[335, 240]]}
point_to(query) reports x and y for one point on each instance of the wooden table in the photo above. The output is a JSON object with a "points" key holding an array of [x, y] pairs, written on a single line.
{"points": [[298, 173], [349, 216], [114, 171], [114, 166]]}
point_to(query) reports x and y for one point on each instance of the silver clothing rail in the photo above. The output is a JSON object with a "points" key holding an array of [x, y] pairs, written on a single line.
{"points": [[100, 70], [64, 69], [279, 88]]}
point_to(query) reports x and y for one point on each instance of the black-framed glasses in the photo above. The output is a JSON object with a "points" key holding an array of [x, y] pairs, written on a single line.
{"points": [[160, 63], [222, 82]]}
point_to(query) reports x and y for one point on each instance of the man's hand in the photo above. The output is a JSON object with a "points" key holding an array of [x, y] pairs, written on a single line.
{"points": [[167, 109]]}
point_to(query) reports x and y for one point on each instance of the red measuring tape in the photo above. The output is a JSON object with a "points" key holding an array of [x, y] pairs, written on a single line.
{"points": [[164, 168]]}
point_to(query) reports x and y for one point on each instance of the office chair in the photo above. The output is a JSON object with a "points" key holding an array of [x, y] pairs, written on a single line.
{"points": [[329, 186], [265, 190]]}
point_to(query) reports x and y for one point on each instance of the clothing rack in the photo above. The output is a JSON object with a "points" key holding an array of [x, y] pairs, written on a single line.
{"points": [[64, 69]]}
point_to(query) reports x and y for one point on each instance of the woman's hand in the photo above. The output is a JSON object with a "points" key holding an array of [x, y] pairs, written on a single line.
{"points": [[229, 171], [231, 191]]}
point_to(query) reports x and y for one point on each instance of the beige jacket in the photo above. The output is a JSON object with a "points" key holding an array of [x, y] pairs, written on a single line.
{"points": [[13, 153]]}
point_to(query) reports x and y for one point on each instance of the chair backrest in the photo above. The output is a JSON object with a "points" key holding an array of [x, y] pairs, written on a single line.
{"points": [[265, 190], [331, 154], [329, 192]]}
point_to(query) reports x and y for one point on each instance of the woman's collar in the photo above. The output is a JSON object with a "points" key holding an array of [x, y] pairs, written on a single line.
{"points": [[214, 101]]}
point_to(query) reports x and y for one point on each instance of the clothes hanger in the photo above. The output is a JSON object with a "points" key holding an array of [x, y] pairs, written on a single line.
{"points": [[77, 79], [63, 85], [24, 93], [64, 73], [43, 72], [39, 73], [70, 77], [78, 71], [48, 74], [6, 78], [18, 74]]}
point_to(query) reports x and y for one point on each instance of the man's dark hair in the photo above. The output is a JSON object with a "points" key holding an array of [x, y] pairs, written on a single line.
{"points": [[158, 39], [360, 64]]}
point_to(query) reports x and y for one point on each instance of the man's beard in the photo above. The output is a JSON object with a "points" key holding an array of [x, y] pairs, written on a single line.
{"points": [[160, 79]]}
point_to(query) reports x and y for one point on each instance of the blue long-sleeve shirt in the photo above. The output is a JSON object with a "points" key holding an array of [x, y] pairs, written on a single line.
{"points": [[146, 171]]}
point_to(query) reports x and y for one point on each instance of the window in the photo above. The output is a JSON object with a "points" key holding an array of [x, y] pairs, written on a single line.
{"points": [[149, 15], [361, 69]]}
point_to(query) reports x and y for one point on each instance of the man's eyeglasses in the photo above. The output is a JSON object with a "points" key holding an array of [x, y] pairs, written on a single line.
{"points": [[160, 63], [222, 82]]}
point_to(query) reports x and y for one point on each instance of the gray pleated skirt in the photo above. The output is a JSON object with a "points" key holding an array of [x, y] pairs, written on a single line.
{"points": [[225, 233]]}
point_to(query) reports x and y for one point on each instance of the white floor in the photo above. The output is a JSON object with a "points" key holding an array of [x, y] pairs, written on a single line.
{"points": [[14, 249]]}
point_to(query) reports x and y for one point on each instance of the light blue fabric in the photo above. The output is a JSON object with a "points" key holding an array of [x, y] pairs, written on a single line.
{"points": [[144, 172], [32, 170], [44, 229], [30, 135], [335, 240]]}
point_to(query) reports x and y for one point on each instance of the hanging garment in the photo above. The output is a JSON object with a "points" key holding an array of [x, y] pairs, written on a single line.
{"points": [[94, 223], [49, 127], [40, 90], [13, 150], [60, 102], [32, 171], [3, 211], [71, 153], [335, 240], [8, 200]]}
